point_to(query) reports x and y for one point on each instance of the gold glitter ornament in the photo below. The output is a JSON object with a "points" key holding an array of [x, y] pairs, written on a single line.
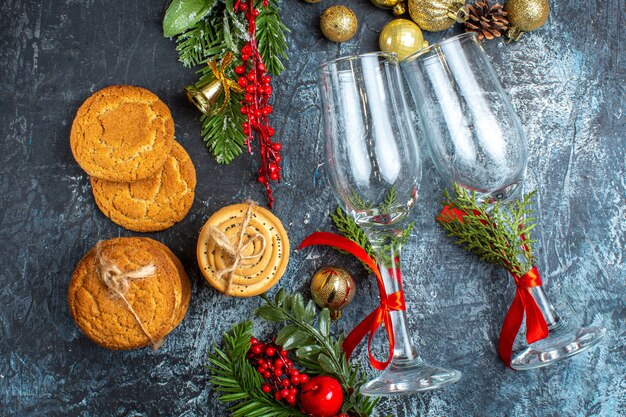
{"points": [[385, 4], [333, 288], [311, 1], [401, 36], [338, 23], [436, 15], [525, 15]]}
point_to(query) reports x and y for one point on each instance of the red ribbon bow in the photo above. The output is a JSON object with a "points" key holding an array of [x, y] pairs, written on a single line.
{"points": [[523, 303], [388, 302]]}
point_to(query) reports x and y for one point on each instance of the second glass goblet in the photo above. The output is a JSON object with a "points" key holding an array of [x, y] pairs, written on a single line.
{"points": [[477, 142], [373, 162]]}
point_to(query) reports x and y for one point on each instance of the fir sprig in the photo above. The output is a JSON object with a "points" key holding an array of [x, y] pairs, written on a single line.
{"points": [[233, 375], [316, 349], [497, 234], [271, 37]]}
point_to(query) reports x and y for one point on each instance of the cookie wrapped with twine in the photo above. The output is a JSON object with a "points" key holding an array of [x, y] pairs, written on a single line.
{"points": [[243, 250], [118, 283], [128, 292]]}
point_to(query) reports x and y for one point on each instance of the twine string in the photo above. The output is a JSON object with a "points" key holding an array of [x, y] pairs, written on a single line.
{"points": [[118, 283], [236, 252]]}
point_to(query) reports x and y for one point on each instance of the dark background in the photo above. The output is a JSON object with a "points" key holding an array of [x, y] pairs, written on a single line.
{"points": [[567, 82]]}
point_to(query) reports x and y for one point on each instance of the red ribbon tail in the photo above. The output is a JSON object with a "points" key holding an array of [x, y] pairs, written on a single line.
{"points": [[536, 326], [510, 328], [358, 333]]}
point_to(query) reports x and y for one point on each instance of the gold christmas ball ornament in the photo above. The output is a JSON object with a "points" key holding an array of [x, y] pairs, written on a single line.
{"points": [[525, 16], [402, 37], [385, 4], [338, 23], [311, 1], [333, 288], [436, 15]]}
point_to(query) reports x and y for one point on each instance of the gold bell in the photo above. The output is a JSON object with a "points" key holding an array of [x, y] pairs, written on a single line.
{"points": [[204, 94], [332, 288]]}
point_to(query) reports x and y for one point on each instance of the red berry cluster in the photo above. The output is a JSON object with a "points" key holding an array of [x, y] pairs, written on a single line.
{"points": [[256, 83], [272, 362]]}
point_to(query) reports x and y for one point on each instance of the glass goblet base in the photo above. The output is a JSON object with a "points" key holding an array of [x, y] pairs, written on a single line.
{"points": [[405, 377], [564, 341]]}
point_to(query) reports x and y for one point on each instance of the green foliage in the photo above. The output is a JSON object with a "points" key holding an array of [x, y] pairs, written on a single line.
{"points": [[499, 235], [309, 334], [184, 14], [271, 36], [232, 375]]}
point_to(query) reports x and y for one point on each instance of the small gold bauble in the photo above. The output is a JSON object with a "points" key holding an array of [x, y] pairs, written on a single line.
{"points": [[338, 23], [436, 15], [399, 9], [332, 288], [525, 15], [385, 4], [402, 37]]}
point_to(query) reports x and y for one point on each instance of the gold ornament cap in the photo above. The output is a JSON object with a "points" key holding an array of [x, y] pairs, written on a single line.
{"points": [[437, 15], [338, 23], [333, 288]]}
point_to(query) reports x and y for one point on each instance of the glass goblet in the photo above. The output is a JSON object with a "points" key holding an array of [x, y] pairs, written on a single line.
{"points": [[374, 167], [477, 142]]}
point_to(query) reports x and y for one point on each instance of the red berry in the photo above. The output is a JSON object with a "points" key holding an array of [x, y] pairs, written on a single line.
{"points": [[267, 79], [246, 131], [240, 70], [271, 131], [276, 146], [245, 57], [262, 179], [284, 392], [243, 7], [256, 349], [267, 374], [244, 110], [254, 341], [250, 88], [291, 398], [285, 383], [274, 176], [246, 50], [304, 378], [261, 67], [278, 158], [266, 3], [242, 81], [268, 90], [255, 13], [267, 110], [251, 76], [266, 388], [277, 396], [284, 353], [295, 379], [294, 372], [279, 363], [270, 351], [249, 98], [277, 371]]}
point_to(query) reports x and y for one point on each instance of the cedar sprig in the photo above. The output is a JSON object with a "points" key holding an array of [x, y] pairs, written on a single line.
{"points": [[498, 234], [309, 334], [234, 376]]}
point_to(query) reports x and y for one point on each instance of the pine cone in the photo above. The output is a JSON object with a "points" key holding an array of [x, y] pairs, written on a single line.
{"points": [[488, 21]]}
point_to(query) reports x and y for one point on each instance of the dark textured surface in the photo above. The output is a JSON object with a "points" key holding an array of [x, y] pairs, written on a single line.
{"points": [[567, 83]]}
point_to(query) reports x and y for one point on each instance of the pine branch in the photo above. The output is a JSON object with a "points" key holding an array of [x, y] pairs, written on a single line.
{"points": [[232, 374], [498, 235], [271, 36], [346, 225], [316, 349]]}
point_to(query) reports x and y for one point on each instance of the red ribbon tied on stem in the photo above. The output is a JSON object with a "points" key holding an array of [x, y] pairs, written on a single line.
{"points": [[523, 303], [388, 302]]}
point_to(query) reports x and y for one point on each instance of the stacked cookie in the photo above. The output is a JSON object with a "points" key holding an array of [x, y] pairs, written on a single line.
{"points": [[128, 292], [142, 179]]}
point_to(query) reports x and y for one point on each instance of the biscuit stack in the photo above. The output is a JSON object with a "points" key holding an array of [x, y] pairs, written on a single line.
{"points": [[142, 179], [128, 292]]}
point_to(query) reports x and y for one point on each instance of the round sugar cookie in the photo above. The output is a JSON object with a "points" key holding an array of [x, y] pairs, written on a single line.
{"points": [[104, 317], [265, 245], [154, 203], [122, 133]]}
